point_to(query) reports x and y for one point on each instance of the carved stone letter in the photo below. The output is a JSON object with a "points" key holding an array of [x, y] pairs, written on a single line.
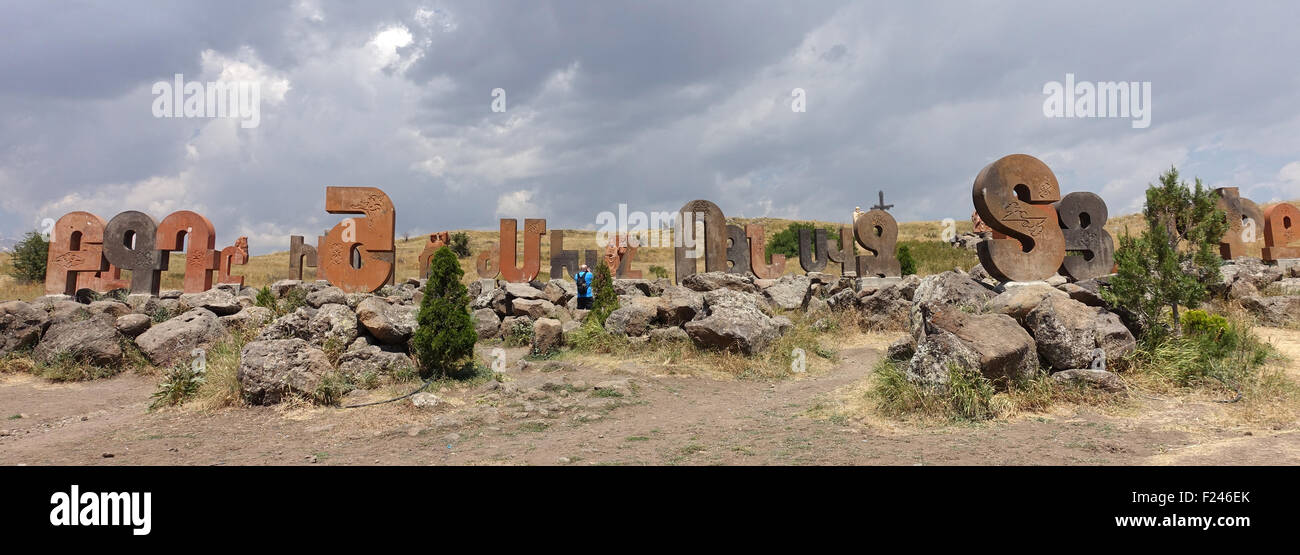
{"points": [[1281, 228], [1014, 196], [714, 242], [757, 254], [533, 231], [371, 236], [236, 255], [201, 257], [130, 244], [436, 241]]}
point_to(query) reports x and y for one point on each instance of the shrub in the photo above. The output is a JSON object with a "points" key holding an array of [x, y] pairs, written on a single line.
{"points": [[1200, 322], [1170, 264], [460, 244], [786, 241], [182, 382], [519, 334], [906, 261], [659, 272], [445, 334], [266, 299], [606, 300], [29, 258]]}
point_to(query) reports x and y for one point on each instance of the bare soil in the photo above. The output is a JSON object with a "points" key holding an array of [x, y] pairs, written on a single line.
{"points": [[549, 414]]}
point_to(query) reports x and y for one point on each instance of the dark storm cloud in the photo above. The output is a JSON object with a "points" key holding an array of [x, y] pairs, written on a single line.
{"points": [[649, 104]]}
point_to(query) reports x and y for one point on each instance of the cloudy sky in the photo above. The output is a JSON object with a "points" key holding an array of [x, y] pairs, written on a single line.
{"points": [[650, 104]]}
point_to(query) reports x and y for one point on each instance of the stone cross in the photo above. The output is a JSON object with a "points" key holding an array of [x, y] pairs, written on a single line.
{"points": [[881, 205]]}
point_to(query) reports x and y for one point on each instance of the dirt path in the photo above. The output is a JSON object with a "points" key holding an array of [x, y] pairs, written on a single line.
{"points": [[549, 413]]}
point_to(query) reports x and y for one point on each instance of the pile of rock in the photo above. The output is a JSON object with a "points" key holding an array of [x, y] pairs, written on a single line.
{"points": [[1270, 293]]}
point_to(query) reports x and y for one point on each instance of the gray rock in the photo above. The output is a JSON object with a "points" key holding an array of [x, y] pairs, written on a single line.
{"points": [[328, 295], [1080, 291], [559, 291], [216, 301], [678, 305], [249, 317], [547, 336], [1100, 379], [366, 355], [289, 326], [132, 325], [170, 341], [734, 322], [1273, 311], [271, 370], [790, 292], [1068, 332], [633, 317], [1241, 289], [486, 323], [424, 400], [952, 289], [999, 346], [170, 294], [94, 340], [333, 323], [711, 281], [522, 291], [567, 330], [109, 307], [478, 286], [390, 323], [640, 287], [495, 299], [886, 309], [21, 325], [1016, 302], [673, 333], [901, 349], [282, 288], [533, 308]]}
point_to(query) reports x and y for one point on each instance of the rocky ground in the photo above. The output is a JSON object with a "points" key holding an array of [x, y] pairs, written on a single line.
{"points": [[625, 413]]}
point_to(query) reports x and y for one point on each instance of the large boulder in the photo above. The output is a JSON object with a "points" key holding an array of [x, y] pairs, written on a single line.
{"points": [[640, 287], [790, 292], [994, 344], [21, 325], [1273, 311], [170, 341], [486, 323], [633, 316], [678, 305], [523, 291], [248, 318], [734, 322], [1069, 332], [1016, 302], [559, 291], [367, 355], [328, 295], [132, 325], [952, 289], [333, 323], [390, 323], [271, 370], [216, 301], [547, 335], [886, 309], [495, 299], [712, 281], [93, 340], [293, 324], [533, 308]]}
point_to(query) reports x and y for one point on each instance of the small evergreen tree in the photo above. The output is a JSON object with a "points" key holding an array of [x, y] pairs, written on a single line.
{"points": [[906, 261], [1170, 264], [29, 258], [445, 334], [460, 244], [606, 300]]}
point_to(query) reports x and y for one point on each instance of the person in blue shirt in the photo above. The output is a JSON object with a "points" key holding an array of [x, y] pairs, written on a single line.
{"points": [[583, 280]]}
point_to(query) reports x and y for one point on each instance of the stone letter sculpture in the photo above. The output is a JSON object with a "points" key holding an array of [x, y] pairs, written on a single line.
{"points": [[713, 244], [809, 260], [1242, 214], [619, 252], [757, 254], [534, 229], [1280, 230], [130, 244], [76, 247], [844, 253], [562, 260], [737, 250], [236, 255], [201, 256], [436, 241], [1014, 196], [371, 234], [877, 232], [301, 255], [1083, 223]]}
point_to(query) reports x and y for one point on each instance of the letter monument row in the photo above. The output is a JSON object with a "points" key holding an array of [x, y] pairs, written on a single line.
{"points": [[87, 253]]}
